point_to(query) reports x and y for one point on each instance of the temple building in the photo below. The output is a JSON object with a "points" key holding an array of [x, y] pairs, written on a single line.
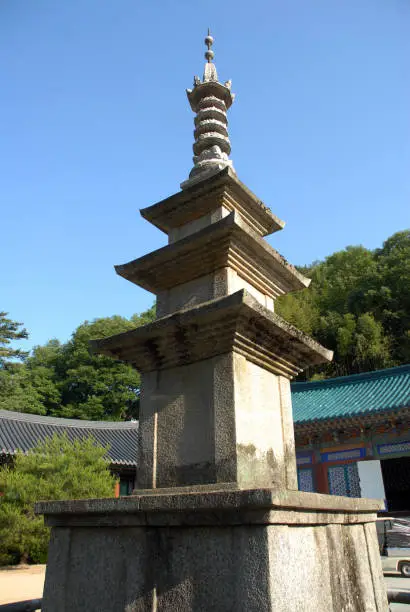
{"points": [[23, 431], [352, 435]]}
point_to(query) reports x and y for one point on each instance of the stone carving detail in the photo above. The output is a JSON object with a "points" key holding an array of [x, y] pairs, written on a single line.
{"points": [[210, 100]]}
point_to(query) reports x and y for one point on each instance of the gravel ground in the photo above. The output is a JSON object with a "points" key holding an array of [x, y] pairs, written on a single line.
{"points": [[23, 582]]}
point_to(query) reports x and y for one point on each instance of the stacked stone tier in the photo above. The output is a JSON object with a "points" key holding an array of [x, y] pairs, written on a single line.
{"points": [[210, 131], [210, 125], [213, 111], [223, 190], [219, 93], [228, 243], [235, 323]]}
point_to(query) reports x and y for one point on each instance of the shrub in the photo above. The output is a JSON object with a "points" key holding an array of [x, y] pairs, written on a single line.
{"points": [[56, 469]]}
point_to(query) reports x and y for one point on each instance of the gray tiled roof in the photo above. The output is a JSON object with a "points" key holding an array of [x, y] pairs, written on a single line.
{"points": [[23, 431]]}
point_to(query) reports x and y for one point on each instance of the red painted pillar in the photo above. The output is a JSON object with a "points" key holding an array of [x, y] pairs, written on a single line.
{"points": [[321, 480]]}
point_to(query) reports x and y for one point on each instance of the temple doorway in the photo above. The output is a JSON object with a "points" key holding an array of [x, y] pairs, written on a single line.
{"points": [[396, 477]]}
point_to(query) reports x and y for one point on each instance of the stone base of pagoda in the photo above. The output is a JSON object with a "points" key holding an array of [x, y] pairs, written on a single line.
{"points": [[203, 550]]}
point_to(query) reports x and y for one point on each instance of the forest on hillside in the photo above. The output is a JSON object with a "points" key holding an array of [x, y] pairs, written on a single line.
{"points": [[358, 305]]}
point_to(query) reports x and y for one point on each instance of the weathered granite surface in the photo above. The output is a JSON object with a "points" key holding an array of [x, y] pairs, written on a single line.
{"points": [[237, 322], [219, 420], [205, 501], [203, 550], [223, 191], [228, 242]]}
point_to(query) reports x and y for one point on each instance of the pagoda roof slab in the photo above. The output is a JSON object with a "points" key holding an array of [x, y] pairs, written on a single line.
{"points": [[222, 189], [228, 242], [235, 323]]}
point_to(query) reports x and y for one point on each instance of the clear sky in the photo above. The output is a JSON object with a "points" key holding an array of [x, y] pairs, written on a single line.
{"points": [[94, 124]]}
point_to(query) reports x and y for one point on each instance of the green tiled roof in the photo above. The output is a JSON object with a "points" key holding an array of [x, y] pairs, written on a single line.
{"points": [[353, 395]]}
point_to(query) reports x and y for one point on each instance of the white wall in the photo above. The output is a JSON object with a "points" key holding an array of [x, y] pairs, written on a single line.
{"points": [[371, 479]]}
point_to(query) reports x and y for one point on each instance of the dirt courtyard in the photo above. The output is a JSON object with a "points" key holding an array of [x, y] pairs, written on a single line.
{"points": [[22, 582]]}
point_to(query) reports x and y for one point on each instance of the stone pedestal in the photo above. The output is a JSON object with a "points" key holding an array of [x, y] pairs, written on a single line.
{"points": [[208, 550]]}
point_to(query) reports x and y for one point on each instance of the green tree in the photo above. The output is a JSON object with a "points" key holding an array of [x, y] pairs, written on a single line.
{"points": [[148, 316], [66, 380], [349, 307], [359, 343], [55, 469], [393, 292], [9, 331], [17, 392], [95, 386], [340, 274], [300, 309]]}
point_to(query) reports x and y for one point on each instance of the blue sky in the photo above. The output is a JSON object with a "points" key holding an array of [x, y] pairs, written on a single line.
{"points": [[94, 124]]}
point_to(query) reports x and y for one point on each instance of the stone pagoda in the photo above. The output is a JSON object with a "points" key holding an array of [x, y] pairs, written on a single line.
{"points": [[216, 522]]}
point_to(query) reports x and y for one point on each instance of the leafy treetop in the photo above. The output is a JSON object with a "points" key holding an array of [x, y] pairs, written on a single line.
{"points": [[10, 330], [358, 304], [66, 380]]}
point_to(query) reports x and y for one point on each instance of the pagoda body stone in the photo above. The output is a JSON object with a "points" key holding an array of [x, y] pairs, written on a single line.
{"points": [[216, 522], [216, 365]]}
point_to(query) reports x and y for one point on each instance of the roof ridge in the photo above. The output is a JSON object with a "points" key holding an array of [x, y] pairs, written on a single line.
{"points": [[340, 380], [59, 421]]}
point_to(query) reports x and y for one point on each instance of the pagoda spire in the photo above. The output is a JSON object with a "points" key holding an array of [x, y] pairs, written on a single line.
{"points": [[210, 100], [210, 73]]}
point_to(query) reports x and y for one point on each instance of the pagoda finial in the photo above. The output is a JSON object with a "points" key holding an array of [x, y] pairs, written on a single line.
{"points": [[210, 73], [209, 55], [210, 100]]}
